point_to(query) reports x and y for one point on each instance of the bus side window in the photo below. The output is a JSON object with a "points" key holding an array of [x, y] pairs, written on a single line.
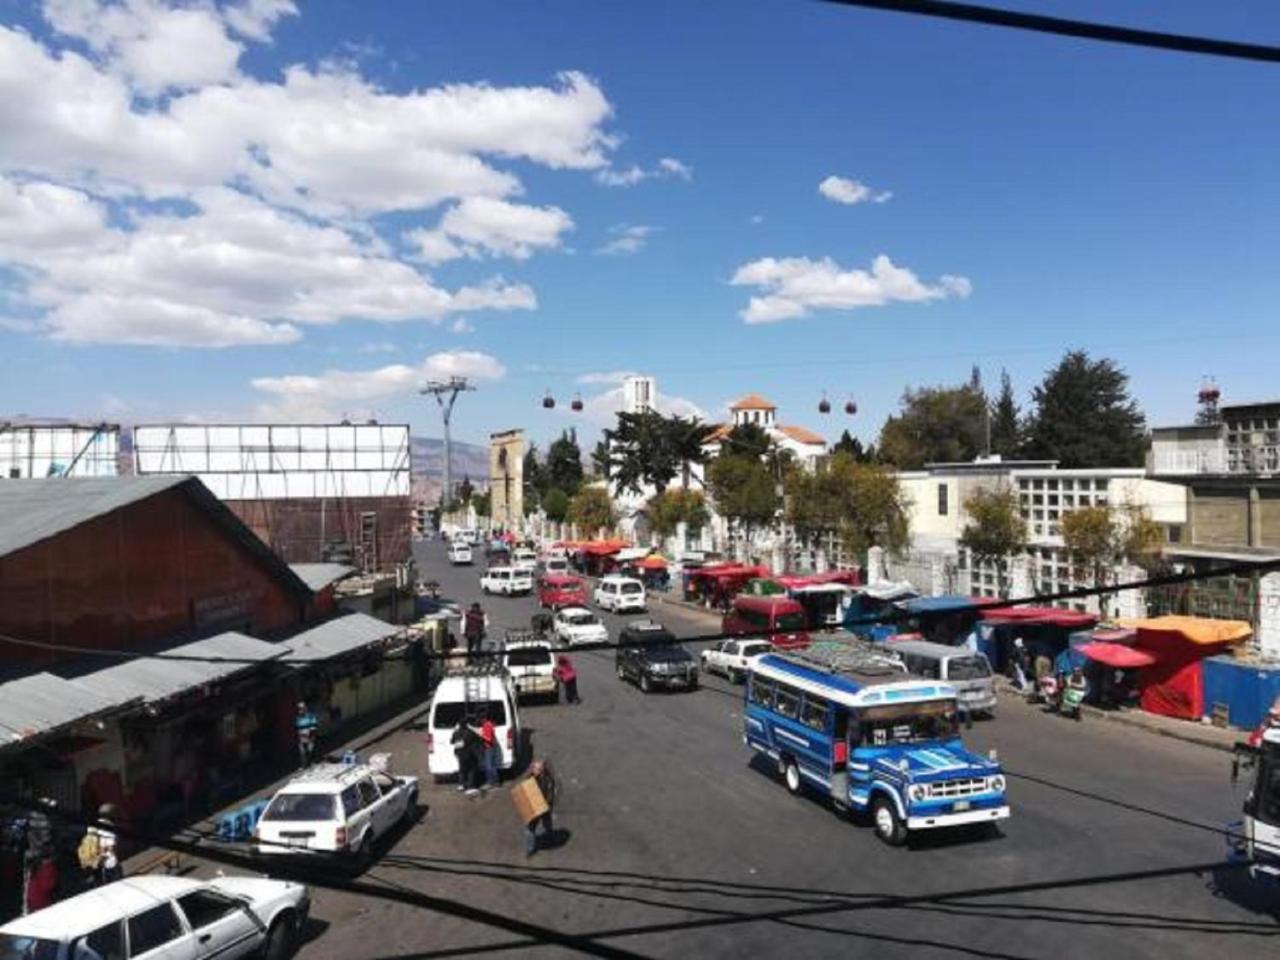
{"points": [[787, 702], [814, 713], [761, 691]]}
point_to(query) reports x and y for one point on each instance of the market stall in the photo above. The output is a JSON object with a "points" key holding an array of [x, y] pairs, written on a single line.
{"points": [[1173, 685]]}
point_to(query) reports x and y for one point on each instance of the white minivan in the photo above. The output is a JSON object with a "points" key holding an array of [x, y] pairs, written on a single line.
{"points": [[620, 594], [459, 552], [966, 670], [470, 695]]}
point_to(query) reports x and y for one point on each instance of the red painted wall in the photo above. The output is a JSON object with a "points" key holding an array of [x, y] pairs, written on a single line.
{"points": [[139, 576]]}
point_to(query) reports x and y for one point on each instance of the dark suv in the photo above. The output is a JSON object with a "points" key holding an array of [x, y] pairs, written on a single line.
{"points": [[649, 655]]}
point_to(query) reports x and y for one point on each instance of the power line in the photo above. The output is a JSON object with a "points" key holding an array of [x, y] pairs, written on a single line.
{"points": [[1037, 23]]}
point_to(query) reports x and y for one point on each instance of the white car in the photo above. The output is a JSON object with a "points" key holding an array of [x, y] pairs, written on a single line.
{"points": [[620, 594], [575, 625], [522, 558], [337, 809], [470, 697], [531, 665], [553, 567], [508, 581], [165, 917], [734, 658], [459, 552]]}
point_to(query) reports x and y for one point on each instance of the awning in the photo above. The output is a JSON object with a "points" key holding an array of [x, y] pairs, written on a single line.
{"points": [[948, 603], [43, 702], [317, 576], [1116, 655], [159, 677], [1201, 631], [631, 553], [889, 590], [603, 548], [340, 636], [653, 562], [1052, 616]]}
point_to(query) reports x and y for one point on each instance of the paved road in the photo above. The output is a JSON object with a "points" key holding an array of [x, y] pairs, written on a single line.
{"points": [[681, 847]]}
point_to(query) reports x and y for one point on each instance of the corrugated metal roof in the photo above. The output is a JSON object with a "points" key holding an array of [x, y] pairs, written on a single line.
{"points": [[43, 702], [343, 635], [317, 576], [155, 678], [35, 510]]}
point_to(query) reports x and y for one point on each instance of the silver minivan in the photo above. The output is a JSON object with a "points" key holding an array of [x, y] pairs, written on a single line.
{"points": [[966, 670]]}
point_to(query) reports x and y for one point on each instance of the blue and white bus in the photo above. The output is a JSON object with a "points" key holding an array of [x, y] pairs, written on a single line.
{"points": [[855, 725]]}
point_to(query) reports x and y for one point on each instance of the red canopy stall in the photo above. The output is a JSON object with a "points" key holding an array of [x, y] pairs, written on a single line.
{"points": [[1173, 686]]}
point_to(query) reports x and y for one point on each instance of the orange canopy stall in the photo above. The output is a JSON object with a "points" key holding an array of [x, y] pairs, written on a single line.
{"points": [[1173, 686]]}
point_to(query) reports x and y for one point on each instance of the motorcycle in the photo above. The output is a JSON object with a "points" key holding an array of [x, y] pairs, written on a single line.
{"points": [[1072, 698], [1049, 691]]}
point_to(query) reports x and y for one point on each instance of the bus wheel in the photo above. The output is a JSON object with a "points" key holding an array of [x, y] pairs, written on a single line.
{"points": [[791, 775], [888, 825]]}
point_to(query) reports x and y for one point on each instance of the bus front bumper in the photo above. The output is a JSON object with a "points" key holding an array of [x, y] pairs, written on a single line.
{"points": [[934, 821]]}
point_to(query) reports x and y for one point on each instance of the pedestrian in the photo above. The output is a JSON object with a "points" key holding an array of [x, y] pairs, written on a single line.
{"points": [[1020, 664], [40, 871], [463, 753], [473, 628], [567, 677], [544, 823], [305, 724], [491, 752], [101, 839]]}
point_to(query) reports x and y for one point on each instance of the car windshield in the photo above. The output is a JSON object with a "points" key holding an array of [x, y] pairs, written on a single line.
{"points": [[653, 636], [452, 713], [968, 668], [528, 657], [910, 723], [791, 621], [755, 649], [668, 653], [300, 806], [582, 619]]}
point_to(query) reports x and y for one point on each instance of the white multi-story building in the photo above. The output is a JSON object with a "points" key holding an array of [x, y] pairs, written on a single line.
{"points": [[936, 563]]}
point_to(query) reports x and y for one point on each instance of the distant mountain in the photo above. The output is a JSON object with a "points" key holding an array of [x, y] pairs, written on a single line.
{"points": [[469, 460]]}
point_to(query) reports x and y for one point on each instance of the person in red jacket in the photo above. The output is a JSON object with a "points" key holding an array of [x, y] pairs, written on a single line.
{"points": [[1270, 721], [492, 756], [567, 677]]}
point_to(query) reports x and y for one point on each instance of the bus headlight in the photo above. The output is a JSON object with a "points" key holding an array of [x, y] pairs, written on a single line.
{"points": [[996, 783], [917, 792]]}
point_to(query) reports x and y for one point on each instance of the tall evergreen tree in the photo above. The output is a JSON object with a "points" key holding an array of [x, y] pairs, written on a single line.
{"points": [[564, 463], [935, 425], [1084, 416], [1006, 427]]}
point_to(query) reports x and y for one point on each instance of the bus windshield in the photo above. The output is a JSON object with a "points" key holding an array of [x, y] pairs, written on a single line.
{"points": [[909, 723]]}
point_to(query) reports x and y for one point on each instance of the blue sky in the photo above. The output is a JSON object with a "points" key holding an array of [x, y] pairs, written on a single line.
{"points": [[1046, 194]]}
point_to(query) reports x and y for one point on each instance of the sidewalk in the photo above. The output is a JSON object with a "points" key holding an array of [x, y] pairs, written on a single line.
{"points": [[1201, 734]]}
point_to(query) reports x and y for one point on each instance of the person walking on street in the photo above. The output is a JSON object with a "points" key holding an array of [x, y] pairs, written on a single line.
{"points": [[473, 628], [567, 677], [492, 756], [305, 724], [541, 771], [107, 869], [463, 741]]}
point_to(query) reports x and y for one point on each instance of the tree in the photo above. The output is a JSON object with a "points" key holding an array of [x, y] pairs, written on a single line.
{"points": [[564, 464], [1006, 428], [650, 449], [860, 503], [591, 510], [1084, 416], [747, 440], [483, 503], [745, 492], [1100, 539], [600, 458], [995, 530], [687, 437], [465, 491], [534, 480], [935, 425], [555, 503], [669, 509]]}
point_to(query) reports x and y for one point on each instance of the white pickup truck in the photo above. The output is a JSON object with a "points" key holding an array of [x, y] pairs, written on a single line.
{"points": [[734, 658]]}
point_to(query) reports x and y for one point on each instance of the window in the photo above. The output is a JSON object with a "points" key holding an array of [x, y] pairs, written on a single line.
{"points": [[350, 801], [204, 907], [300, 806], [814, 713], [368, 793], [17, 946], [528, 657], [152, 929], [926, 667], [1175, 533], [787, 702], [942, 499], [451, 713], [761, 691], [105, 943]]}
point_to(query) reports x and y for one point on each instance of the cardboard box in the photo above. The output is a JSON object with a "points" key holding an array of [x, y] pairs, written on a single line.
{"points": [[528, 799]]}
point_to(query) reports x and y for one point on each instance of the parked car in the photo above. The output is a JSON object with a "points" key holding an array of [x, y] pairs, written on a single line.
{"points": [[778, 619], [153, 915], [559, 590], [575, 625], [649, 656], [550, 566], [336, 809], [508, 581], [469, 696], [620, 594], [734, 658], [968, 671], [459, 552], [531, 663]]}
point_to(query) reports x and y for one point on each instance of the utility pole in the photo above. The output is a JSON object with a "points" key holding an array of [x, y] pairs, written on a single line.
{"points": [[442, 389]]}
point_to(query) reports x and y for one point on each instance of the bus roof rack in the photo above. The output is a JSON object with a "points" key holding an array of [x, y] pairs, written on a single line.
{"points": [[847, 655], [483, 667]]}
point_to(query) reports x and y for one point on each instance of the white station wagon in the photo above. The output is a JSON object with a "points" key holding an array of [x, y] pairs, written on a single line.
{"points": [[163, 918], [507, 581]]}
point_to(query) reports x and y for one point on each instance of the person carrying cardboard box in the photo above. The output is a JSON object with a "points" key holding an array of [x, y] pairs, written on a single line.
{"points": [[534, 798]]}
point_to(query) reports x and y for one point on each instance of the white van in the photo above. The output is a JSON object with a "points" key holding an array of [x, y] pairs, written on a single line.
{"points": [[522, 558], [459, 552], [620, 594], [472, 693], [966, 670]]}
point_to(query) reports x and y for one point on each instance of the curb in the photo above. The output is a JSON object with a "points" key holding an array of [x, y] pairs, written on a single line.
{"points": [[1115, 716]]}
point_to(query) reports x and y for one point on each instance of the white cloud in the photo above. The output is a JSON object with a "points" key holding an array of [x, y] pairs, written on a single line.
{"points": [[36, 217], [794, 286], [255, 18], [627, 239], [479, 226], [844, 190], [603, 408], [756, 219], [667, 168], [611, 376], [357, 393], [462, 325]]}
